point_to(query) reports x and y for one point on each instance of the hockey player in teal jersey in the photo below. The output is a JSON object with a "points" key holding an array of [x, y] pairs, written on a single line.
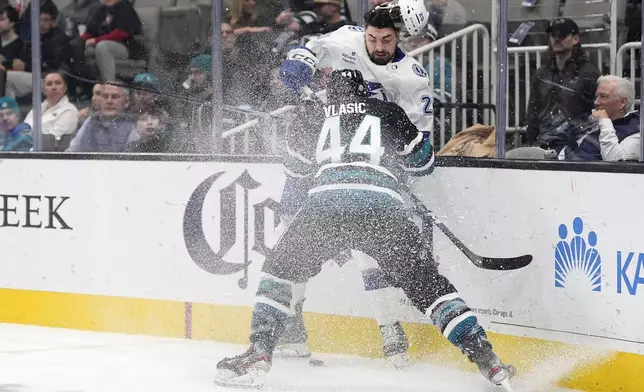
{"points": [[357, 161]]}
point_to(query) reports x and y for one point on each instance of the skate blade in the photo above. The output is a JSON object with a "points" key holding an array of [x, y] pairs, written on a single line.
{"points": [[400, 361], [254, 379], [505, 384]]}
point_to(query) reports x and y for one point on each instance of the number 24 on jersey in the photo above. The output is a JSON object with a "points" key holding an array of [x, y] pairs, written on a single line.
{"points": [[369, 129]]}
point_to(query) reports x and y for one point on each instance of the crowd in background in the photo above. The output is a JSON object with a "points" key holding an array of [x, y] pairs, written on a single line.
{"points": [[573, 113]]}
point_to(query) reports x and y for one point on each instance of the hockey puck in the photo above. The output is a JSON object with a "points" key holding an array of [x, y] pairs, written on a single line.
{"points": [[316, 362]]}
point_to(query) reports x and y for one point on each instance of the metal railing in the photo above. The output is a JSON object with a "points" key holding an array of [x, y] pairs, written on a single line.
{"points": [[632, 48], [466, 74], [265, 126], [460, 57], [471, 34], [522, 60]]}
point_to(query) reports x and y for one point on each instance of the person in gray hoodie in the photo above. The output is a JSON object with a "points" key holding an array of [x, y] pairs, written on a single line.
{"points": [[110, 129]]}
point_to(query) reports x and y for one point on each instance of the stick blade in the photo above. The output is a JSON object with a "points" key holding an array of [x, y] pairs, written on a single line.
{"points": [[504, 264]]}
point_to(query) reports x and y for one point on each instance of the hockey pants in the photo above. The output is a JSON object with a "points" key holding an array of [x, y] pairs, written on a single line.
{"points": [[388, 235], [376, 286]]}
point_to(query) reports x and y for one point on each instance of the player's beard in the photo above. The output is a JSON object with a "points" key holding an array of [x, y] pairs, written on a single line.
{"points": [[383, 59]]}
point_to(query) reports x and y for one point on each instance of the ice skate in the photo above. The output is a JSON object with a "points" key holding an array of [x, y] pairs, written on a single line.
{"points": [[247, 370], [496, 371], [479, 350], [292, 350], [395, 344]]}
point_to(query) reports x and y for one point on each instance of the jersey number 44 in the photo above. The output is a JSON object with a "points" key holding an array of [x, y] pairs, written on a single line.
{"points": [[365, 143]]}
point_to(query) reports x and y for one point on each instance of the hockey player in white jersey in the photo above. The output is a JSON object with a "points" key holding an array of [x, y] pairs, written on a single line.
{"points": [[393, 76], [390, 74]]}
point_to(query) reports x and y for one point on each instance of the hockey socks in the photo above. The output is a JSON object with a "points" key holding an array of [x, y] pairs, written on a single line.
{"points": [[275, 303], [456, 321]]}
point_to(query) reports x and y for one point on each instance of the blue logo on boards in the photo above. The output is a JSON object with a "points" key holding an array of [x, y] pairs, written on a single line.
{"points": [[577, 261]]}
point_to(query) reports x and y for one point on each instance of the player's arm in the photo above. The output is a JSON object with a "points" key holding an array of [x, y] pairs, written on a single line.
{"points": [[415, 146], [302, 62], [418, 104], [330, 46]]}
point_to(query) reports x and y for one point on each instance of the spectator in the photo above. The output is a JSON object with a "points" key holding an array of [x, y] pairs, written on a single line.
{"points": [[427, 36], [619, 138], [199, 83], [613, 133], [244, 18], [156, 135], [11, 44], [200, 124], [277, 95], [95, 106], [145, 94], [306, 25], [74, 15], [15, 136], [110, 129], [200, 92], [328, 18], [110, 35], [297, 6], [24, 25], [562, 91], [59, 116], [239, 76], [55, 53]]}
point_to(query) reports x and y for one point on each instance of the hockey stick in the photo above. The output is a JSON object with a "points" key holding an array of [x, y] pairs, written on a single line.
{"points": [[489, 263]]}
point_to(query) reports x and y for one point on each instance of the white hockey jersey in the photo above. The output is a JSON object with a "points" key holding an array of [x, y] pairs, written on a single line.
{"points": [[403, 81]]}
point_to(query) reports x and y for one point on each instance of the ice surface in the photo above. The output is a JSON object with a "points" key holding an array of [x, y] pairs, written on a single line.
{"points": [[58, 360]]}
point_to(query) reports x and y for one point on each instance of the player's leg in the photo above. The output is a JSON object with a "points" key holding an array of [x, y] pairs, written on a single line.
{"points": [[297, 257], [383, 297], [410, 266], [293, 341]]}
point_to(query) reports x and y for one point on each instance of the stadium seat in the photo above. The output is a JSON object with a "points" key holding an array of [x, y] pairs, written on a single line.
{"points": [[49, 143], [541, 14], [129, 68], [180, 31], [526, 153], [588, 14]]}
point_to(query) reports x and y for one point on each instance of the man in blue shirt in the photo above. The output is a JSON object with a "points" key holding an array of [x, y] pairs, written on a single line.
{"points": [[14, 136]]}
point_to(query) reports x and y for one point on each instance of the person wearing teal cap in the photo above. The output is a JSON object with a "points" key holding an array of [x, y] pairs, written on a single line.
{"points": [[14, 136], [195, 114], [145, 93], [199, 73]]}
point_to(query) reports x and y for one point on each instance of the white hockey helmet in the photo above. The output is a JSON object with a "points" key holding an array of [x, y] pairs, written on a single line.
{"points": [[411, 16]]}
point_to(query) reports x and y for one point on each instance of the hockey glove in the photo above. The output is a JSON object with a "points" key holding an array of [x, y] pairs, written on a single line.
{"points": [[297, 70]]}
